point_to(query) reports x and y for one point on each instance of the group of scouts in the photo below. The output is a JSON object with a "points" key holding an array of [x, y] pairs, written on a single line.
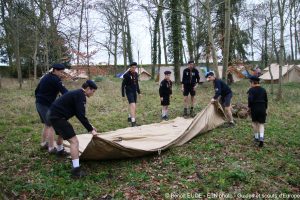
{"points": [[55, 112]]}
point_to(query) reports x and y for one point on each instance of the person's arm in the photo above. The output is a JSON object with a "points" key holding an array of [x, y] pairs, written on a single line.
{"points": [[171, 88], [137, 84], [250, 98], [80, 113], [161, 88], [197, 77], [62, 88], [123, 85], [217, 89], [266, 99]]}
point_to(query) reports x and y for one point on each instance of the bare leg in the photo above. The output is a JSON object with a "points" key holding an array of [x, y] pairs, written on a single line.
{"points": [[74, 147], [229, 113], [192, 101], [132, 108]]}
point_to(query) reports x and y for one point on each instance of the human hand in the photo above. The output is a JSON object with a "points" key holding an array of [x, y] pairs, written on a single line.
{"points": [[213, 100], [161, 98], [94, 132]]}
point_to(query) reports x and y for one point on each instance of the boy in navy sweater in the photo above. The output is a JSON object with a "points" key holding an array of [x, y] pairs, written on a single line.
{"points": [[72, 104], [165, 91], [130, 87], [257, 104], [46, 92], [224, 92]]}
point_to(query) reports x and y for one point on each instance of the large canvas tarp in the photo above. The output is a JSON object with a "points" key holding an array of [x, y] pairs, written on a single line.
{"points": [[147, 139]]}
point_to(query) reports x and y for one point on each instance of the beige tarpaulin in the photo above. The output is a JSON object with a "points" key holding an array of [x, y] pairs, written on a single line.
{"points": [[147, 139]]}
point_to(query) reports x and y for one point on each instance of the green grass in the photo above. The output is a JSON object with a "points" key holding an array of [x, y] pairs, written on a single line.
{"points": [[222, 160]]}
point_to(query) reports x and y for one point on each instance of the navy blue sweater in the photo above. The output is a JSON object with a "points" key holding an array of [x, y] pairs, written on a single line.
{"points": [[165, 88], [71, 104], [221, 89], [190, 77], [48, 89], [257, 96], [130, 83]]}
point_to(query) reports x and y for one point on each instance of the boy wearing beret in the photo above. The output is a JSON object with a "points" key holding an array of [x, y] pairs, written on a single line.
{"points": [[71, 104], [130, 86], [223, 92], [165, 91], [46, 92], [257, 105]]}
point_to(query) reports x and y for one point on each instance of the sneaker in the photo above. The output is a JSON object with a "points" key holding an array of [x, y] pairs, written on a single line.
{"points": [[129, 119], [165, 118], [185, 112], [192, 114], [261, 143], [53, 151], [44, 147], [77, 173], [62, 153], [256, 139], [133, 124]]}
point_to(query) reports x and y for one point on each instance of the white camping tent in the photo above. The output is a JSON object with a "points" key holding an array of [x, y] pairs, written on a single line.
{"points": [[290, 73]]}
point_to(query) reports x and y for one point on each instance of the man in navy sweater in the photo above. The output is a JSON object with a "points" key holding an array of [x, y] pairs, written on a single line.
{"points": [[72, 104], [130, 86], [190, 79], [46, 92], [224, 92]]}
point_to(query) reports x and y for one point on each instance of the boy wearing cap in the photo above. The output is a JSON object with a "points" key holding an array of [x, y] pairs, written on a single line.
{"points": [[165, 91], [224, 92], [46, 92], [130, 86], [257, 104], [72, 104], [190, 78]]}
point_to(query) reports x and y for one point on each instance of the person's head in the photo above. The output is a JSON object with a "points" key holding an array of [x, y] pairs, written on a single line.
{"points": [[167, 75], [89, 88], [132, 66], [254, 80], [191, 64], [58, 69], [210, 76]]}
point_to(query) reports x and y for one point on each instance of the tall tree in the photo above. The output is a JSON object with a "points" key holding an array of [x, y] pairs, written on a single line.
{"points": [[226, 38], [175, 36], [188, 24]]}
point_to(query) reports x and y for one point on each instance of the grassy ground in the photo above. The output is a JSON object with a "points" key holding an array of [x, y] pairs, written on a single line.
{"points": [[221, 162]]}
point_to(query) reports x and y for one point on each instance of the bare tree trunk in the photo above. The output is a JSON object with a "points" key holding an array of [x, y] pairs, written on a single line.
{"points": [[122, 21], [291, 31], [296, 35], [164, 40], [128, 37], [211, 40], [281, 7], [188, 24], [226, 39], [17, 54], [87, 40], [80, 30], [116, 46], [273, 46]]}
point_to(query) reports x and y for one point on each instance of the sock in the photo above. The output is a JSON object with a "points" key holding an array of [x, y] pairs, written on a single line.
{"points": [[60, 147], [129, 116], [256, 136], [166, 113], [43, 143], [132, 119], [261, 132], [163, 113], [75, 162], [50, 149]]}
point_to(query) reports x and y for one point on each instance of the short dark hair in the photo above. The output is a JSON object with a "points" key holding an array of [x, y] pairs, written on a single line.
{"points": [[191, 62], [209, 74], [89, 83], [167, 72], [133, 64]]}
